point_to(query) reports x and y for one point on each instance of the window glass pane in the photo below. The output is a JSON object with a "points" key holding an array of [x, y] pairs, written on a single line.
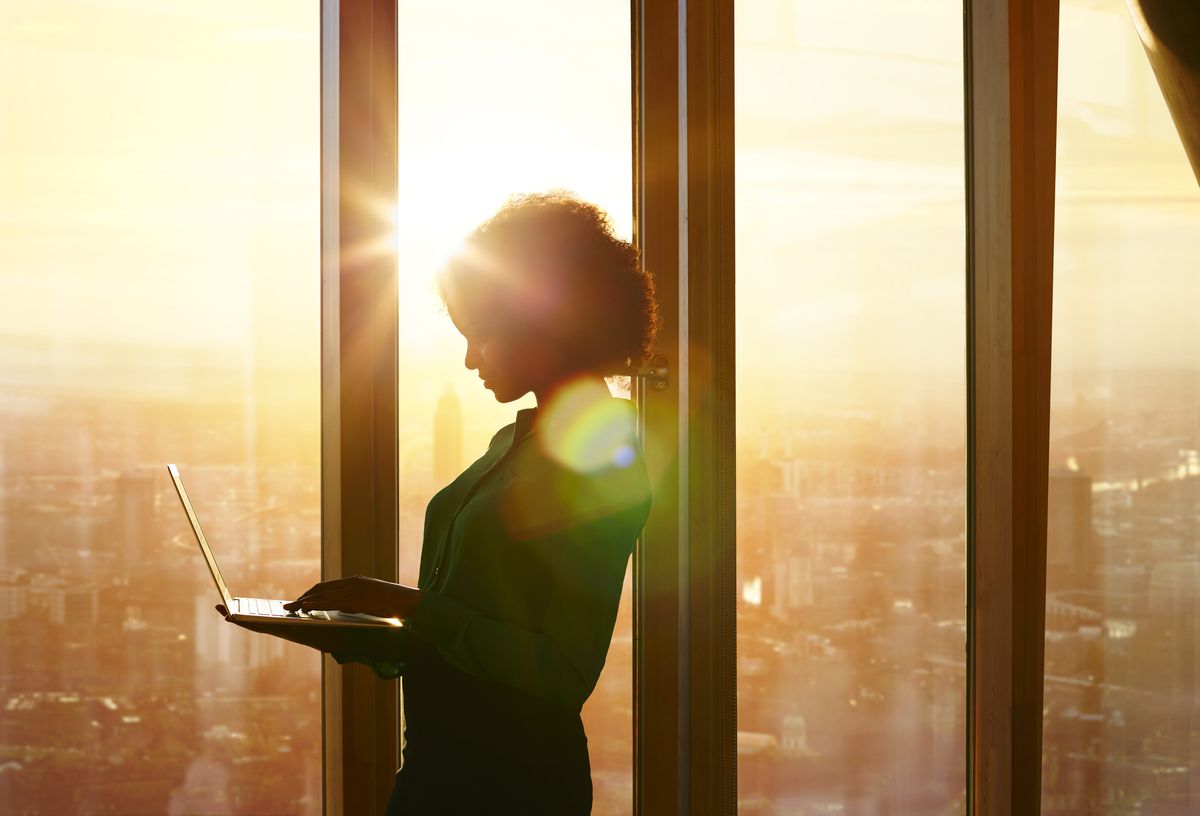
{"points": [[1122, 689], [159, 302], [851, 407], [494, 100]]}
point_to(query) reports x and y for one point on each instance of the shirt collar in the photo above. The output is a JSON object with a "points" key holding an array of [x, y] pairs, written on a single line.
{"points": [[525, 420]]}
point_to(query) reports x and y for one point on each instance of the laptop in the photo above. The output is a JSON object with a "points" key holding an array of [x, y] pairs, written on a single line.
{"points": [[260, 611]]}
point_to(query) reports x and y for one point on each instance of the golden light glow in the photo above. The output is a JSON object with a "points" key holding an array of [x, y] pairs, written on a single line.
{"points": [[163, 200], [584, 430]]}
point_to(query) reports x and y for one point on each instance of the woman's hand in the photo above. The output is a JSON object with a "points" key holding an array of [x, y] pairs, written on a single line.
{"points": [[370, 596]]}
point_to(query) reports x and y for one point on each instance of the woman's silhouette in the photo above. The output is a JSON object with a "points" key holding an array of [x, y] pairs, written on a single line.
{"points": [[525, 552]]}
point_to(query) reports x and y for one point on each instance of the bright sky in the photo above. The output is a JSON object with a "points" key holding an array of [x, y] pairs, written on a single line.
{"points": [[158, 170], [159, 174]]}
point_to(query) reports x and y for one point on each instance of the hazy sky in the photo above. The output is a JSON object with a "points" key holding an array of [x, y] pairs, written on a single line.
{"points": [[159, 174], [158, 170]]}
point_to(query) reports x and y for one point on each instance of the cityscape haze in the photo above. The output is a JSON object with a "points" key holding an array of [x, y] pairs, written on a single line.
{"points": [[159, 301]]}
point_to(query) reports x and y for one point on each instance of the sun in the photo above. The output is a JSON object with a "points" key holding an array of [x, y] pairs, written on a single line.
{"points": [[445, 191]]}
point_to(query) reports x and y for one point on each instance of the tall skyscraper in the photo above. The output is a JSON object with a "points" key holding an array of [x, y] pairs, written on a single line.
{"points": [[134, 529], [447, 437], [14, 598], [223, 648], [4, 479], [1070, 557]]}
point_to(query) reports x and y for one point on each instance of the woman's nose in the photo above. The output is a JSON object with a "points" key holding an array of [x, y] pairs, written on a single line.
{"points": [[471, 360]]}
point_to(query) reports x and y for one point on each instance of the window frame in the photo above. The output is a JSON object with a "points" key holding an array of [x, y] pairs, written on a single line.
{"points": [[686, 705], [359, 380], [658, 708], [1010, 99], [1011, 83], [685, 758]]}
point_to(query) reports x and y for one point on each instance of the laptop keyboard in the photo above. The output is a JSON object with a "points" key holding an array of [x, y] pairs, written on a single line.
{"points": [[265, 608], [274, 609]]}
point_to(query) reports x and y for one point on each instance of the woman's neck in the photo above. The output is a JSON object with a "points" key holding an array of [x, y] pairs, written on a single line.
{"points": [[567, 397]]}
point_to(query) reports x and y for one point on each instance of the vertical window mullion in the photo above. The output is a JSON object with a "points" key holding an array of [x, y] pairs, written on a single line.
{"points": [[686, 593], [709, 547], [359, 377], [1011, 82], [657, 748]]}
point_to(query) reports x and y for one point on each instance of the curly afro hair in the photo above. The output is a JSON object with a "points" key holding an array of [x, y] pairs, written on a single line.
{"points": [[551, 262]]}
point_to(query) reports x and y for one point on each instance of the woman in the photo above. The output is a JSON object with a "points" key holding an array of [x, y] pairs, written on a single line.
{"points": [[525, 553]]}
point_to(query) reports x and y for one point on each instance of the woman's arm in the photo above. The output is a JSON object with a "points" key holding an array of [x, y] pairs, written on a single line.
{"points": [[358, 593], [382, 648]]}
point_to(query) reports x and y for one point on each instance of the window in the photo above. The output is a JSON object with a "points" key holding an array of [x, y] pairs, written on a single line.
{"points": [[159, 184], [1123, 579], [851, 465], [161, 195], [508, 98]]}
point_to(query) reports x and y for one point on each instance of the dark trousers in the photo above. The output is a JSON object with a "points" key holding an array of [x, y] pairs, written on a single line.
{"points": [[473, 747], [491, 787]]}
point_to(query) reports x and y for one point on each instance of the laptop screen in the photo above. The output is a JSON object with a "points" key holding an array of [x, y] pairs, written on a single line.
{"points": [[208, 556]]}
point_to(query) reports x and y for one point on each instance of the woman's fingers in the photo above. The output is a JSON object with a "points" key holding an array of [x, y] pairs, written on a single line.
{"points": [[329, 602], [343, 588], [326, 599], [317, 590], [303, 595], [352, 594], [323, 586]]}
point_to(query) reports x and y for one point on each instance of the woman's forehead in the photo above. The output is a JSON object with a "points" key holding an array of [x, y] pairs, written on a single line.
{"points": [[470, 307], [523, 290], [467, 303]]}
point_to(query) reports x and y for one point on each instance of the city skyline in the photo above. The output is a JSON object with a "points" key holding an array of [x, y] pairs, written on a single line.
{"points": [[162, 303]]}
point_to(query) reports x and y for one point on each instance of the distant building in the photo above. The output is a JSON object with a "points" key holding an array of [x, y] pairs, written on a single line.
{"points": [[750, 743], [3, 503], [1175, 627], [793, 576], [790, 565], [1070, 551], [60, 601], [794, 739], [134, 525], [73, 605], [14, 600], [223, 647], [447, 437]]}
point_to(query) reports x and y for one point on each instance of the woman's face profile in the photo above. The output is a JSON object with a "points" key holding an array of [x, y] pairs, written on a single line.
{"points": [[510, 358]]}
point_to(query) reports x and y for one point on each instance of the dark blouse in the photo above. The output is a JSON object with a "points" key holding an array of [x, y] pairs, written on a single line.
{"points": [[522, 565], [525, 553]]}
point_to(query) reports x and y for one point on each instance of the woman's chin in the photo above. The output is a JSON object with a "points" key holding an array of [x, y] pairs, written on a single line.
{"points": [[504, 396]]}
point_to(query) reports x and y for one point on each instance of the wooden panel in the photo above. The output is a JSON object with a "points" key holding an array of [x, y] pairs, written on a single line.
{"points": [[710, 546], [1011, 110], [687, 740], [657, 754], [687, 732], [359, 377]]}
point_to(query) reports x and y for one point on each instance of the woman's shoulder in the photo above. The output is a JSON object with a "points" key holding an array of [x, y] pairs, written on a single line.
{"points": [[593, 445], [570, 476], [502, 436]]}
